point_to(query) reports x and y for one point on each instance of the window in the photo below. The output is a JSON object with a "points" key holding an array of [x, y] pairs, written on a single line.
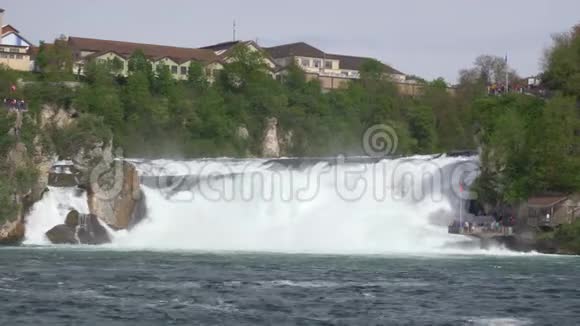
{"points": [[15, 50], [184, 70], [328, 64], [209, 72], [174, 69], [19, 56], [317, 63], [12, 56], [3, 55], [305, 62]]}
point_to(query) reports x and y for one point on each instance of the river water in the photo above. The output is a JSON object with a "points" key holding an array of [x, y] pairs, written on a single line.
{"points": [[104, 286], [334, 242]]}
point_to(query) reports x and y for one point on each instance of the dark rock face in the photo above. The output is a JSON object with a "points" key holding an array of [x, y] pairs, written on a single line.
{"points": [[79, 229], [91, 232], [72, 219], [62, 234]]}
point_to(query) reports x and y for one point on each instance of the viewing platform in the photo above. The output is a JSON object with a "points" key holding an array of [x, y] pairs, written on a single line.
{"points": [[485, 231]]}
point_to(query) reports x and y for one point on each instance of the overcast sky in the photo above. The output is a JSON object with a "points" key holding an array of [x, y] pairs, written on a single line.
{"points": [[429, 38]]}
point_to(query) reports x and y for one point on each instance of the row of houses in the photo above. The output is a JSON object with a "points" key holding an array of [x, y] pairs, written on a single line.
{"points": [[332, 70]]}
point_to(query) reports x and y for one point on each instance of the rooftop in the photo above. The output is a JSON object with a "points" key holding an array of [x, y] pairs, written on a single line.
{"points": [[295, 49], [221, 46], [546, 201], [178, 54], [355, 63], [9, 28], [307, 50]]}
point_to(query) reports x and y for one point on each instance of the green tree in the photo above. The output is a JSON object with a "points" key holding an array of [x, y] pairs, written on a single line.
{"points": [[196, 76], [562, 63], [372, 69], [422, 128], [101, 95], [163, 82], [138, 63], [55, 60], [7, 204]]}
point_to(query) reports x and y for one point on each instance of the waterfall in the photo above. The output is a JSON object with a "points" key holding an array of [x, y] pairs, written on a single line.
{"points": [[300, 205], [51, 210]]}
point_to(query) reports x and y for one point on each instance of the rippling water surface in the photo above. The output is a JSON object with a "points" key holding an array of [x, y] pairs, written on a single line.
{"points": [[76, 286]]}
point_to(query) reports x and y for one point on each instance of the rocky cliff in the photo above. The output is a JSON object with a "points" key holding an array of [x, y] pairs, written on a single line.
{"points": [[270, 144], [116, 195], [112, 186], [276, 142], [12, 232]]}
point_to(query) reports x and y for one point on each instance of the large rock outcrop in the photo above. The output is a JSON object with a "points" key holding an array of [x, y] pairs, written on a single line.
{"points": [[286, 142], [270, 144], [86, 160], [55, 116], [79, 229], [115, 196], [62, 234], [11, 233], [276, 141]]}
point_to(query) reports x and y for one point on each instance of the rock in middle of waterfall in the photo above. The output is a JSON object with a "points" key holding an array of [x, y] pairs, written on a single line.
{"points": [[79, 229]]}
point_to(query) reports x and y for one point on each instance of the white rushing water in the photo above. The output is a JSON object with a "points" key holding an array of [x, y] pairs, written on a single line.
{"points": [[401, 205], [294, 206], [51, 210]]}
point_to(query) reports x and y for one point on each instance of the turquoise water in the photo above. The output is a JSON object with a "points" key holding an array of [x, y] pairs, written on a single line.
{"points": [[80, 286]]}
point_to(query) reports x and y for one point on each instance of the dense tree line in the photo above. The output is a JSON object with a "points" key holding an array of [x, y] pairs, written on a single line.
{"points": [[151, 114]]}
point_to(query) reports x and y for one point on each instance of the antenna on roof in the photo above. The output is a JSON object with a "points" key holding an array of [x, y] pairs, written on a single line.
{"points": [[234, 30]]}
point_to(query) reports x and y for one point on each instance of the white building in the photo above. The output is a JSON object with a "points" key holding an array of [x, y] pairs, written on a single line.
{"points": [[15, 50]]}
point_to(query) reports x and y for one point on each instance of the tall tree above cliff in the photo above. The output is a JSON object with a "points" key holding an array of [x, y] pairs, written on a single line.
{"points": [[562, 63], [488, 69], [101, 95], [196, 77], [55, 60], [138, 63]]}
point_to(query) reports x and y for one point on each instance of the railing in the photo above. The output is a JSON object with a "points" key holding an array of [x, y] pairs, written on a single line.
{"points": [[481, 231]]}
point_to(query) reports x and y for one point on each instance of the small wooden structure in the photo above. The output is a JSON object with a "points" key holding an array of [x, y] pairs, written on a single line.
{"points": [[550, 211]]}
